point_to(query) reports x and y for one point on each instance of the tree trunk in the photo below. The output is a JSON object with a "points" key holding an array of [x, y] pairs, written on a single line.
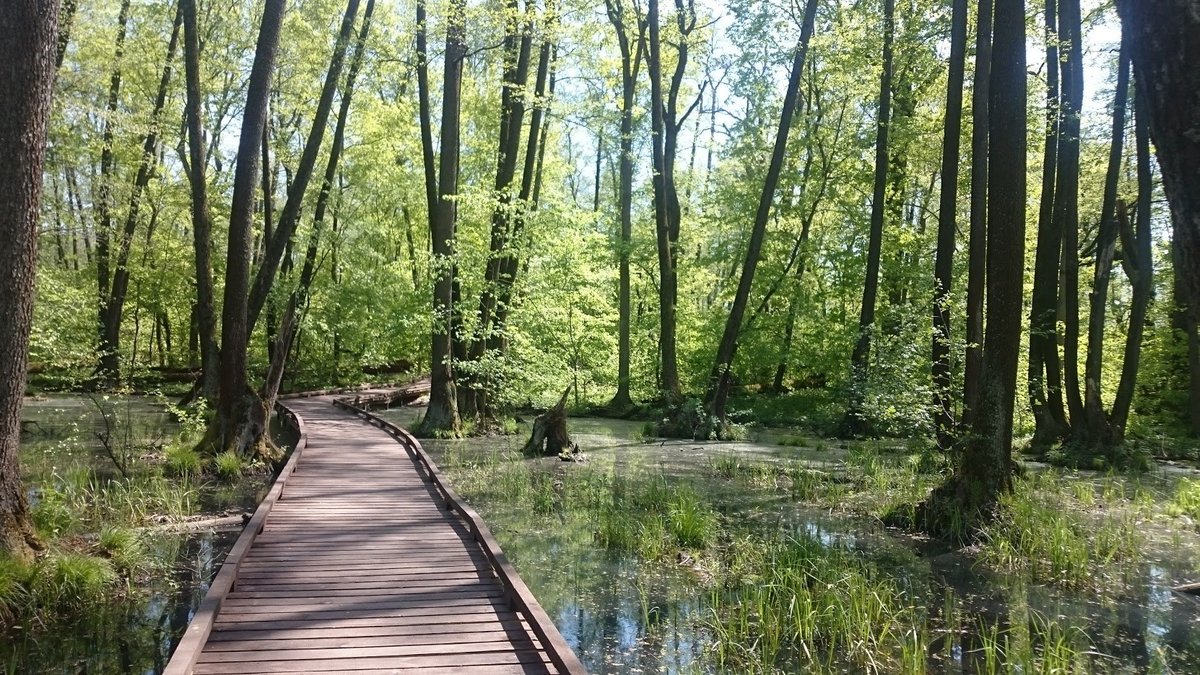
{"points": [[205, 312], [855, 424], [26, 79], [977, 251], [527, 199], [107, 375], [1163, 37], [290, 215], [549, 437], [1066, 197], [114, 303], [943, 405], [665, 135], [427, 157], [472, 387], [631, 58], [233, 399], [441, 417], [984, 471], [720, 380], [1045, 376], [1094, 430]]}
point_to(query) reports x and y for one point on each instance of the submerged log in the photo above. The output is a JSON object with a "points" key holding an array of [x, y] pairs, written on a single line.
{"points": [[550, 436]]}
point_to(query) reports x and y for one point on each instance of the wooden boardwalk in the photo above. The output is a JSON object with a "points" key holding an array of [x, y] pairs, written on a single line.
{"points": [[360, 560]]}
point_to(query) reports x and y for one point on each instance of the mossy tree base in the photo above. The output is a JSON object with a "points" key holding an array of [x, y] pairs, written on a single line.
{"points": [[18, 539], [246, 436]]}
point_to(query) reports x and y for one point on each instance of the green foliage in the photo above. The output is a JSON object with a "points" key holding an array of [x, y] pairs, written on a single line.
{"points": [[790, 597], [182, 460], [126, 549], [1043, 528], [1186, 500], [70, 581], [228, 465]]}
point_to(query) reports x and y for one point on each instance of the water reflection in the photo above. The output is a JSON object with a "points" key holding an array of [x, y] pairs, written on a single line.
{"points": [[625, 617], [135, 635]]}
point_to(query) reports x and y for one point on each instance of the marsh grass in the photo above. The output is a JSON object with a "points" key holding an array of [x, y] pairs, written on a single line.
{"points": [[228, 465], [1045, 528], [789, 601], [1186, 500]]}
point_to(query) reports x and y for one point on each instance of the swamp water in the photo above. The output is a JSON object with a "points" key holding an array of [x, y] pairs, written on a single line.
{"points": [[624, 613], [62, 445]]}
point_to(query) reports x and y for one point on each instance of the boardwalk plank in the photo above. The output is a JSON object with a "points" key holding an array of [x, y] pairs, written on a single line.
{"points": [[360, 567]]}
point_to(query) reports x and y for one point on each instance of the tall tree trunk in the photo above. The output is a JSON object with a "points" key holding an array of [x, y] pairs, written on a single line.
{"points": [[984, 471], [297, 304], [943, 405], [233, 398], [26, 79], [527, 199], [66, 17], [854, 423], [426, 120], [1094, 430], [1045, 375], [1138, 257], [290, 215], [1163, 37], [720, 380], [667, 212], [631, 44], [977, 247], [441, 416], [104, 198], [206, 328], [472, 390], [1066, 196], [114, 304]]}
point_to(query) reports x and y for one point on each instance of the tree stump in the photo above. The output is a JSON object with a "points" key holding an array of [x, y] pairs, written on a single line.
{"points": [[550, 437]]}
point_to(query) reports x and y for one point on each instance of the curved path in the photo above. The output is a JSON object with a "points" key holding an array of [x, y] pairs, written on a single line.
{"points": [[361, 567]]}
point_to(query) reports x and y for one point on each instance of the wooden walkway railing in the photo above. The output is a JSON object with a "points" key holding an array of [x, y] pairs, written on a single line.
{"points": [[362, 559]]}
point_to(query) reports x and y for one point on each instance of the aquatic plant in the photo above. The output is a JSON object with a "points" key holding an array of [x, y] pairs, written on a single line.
{"points": [[1037, 531], [1186, 500], [181, 459], [796, 599], [228, 465], [126, 549], [69, 580]]}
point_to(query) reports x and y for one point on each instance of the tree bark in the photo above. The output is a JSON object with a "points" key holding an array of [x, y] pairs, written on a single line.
{"points": [[631, 58], [104, 198], [1045, 374], [441, 417], [114, 302], [943, 404], [290, 215], [665, 134], [1066, 197], [527, 199], [720, 380], [233, 400], [27, 67], [1094, 429], [984, 471], [426, 121], [1164, 42], [977, 247], [855, 424], [205, 313], [518, 39]]}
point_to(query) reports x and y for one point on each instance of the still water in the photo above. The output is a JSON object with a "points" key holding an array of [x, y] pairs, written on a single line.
{"points": [[136, 632], [623, 615]]}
